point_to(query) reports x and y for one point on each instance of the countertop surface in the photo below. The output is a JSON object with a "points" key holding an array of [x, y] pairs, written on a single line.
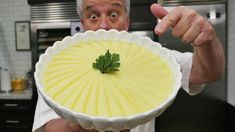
{"points": [[25, 94]]}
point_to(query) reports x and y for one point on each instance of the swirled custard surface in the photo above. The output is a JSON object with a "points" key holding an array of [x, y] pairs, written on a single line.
{"points": [[143, 82]]}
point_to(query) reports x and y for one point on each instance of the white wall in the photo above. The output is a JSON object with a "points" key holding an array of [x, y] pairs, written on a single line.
{"points": [[18, 62], [231, 52]]}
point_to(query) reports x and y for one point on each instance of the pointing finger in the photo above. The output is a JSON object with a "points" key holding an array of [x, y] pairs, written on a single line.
{"points": [[168, 21], [158, 11]]}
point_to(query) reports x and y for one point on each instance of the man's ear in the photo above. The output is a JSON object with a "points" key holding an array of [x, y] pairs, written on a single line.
{"points": [[82, 22], [128, 23]]}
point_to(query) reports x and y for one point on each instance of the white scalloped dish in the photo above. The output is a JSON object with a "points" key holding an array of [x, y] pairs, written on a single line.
{"points": [[145, 85]]}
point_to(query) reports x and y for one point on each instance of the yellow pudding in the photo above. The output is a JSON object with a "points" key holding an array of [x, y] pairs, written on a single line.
{"points": [[143, 82]]}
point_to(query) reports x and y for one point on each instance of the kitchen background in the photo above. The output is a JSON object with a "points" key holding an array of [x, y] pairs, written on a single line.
{"points": [[19, 62], [231, 52]]}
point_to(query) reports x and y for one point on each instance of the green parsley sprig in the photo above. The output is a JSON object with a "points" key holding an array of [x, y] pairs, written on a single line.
{"points": [[107, 63]]}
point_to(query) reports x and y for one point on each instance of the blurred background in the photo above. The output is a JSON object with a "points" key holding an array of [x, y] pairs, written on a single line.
{"points": [[28, 27]]}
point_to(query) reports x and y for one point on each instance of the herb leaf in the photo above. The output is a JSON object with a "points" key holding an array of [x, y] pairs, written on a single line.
{"points": [[107, 63]]}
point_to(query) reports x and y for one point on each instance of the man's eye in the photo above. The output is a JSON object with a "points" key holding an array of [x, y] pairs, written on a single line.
{"points": [[93, 17], [113, 15]]}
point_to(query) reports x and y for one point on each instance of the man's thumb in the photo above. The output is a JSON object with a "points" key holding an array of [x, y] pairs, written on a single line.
{"points": [[158, 11]]}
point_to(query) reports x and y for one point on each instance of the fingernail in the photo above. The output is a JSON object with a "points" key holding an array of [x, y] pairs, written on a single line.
{"points": [[157, 30]]}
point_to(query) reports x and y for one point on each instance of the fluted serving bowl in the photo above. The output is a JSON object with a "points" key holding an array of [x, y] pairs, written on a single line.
{"points": [[103, 123]]}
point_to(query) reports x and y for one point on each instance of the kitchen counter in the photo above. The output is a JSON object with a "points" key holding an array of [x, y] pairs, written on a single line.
{"points": [[16, 111], [25, 95]]}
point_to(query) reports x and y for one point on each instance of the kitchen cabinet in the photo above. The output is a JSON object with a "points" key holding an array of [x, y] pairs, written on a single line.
{"points": [[16, 115], [16, 111]]}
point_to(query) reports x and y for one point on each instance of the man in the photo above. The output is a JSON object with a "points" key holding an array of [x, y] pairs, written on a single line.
{"points": [[205, 65]]}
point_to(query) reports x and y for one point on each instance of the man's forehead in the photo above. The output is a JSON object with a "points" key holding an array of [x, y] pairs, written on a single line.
{"points": [[103, 0], [113, 2]]}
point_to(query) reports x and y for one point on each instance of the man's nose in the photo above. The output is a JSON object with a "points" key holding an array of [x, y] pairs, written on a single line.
{"points": [[104, 24]]}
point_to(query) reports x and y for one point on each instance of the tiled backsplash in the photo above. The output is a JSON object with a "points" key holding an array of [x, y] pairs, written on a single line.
{"points": [[18, 62], [231, 52]]}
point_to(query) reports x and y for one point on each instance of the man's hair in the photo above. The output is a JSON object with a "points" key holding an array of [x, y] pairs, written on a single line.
{"points": [[80, 3]]}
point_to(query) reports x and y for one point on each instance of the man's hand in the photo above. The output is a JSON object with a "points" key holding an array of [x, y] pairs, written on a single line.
{"points": [[61, 125], [208, 61], [186, 24]]}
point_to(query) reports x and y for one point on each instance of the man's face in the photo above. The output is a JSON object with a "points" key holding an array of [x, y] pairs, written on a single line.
{"points": [[104, 14]]}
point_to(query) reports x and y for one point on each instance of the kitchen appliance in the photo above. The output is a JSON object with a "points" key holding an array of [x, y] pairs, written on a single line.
{"points": [[205, 112], [0, 78], [49, 22], [44, 34], [188, 2], [5, 80]]}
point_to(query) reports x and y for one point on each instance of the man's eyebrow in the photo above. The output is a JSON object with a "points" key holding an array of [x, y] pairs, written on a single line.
{"points": [[117, 5], [88, 7]]}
